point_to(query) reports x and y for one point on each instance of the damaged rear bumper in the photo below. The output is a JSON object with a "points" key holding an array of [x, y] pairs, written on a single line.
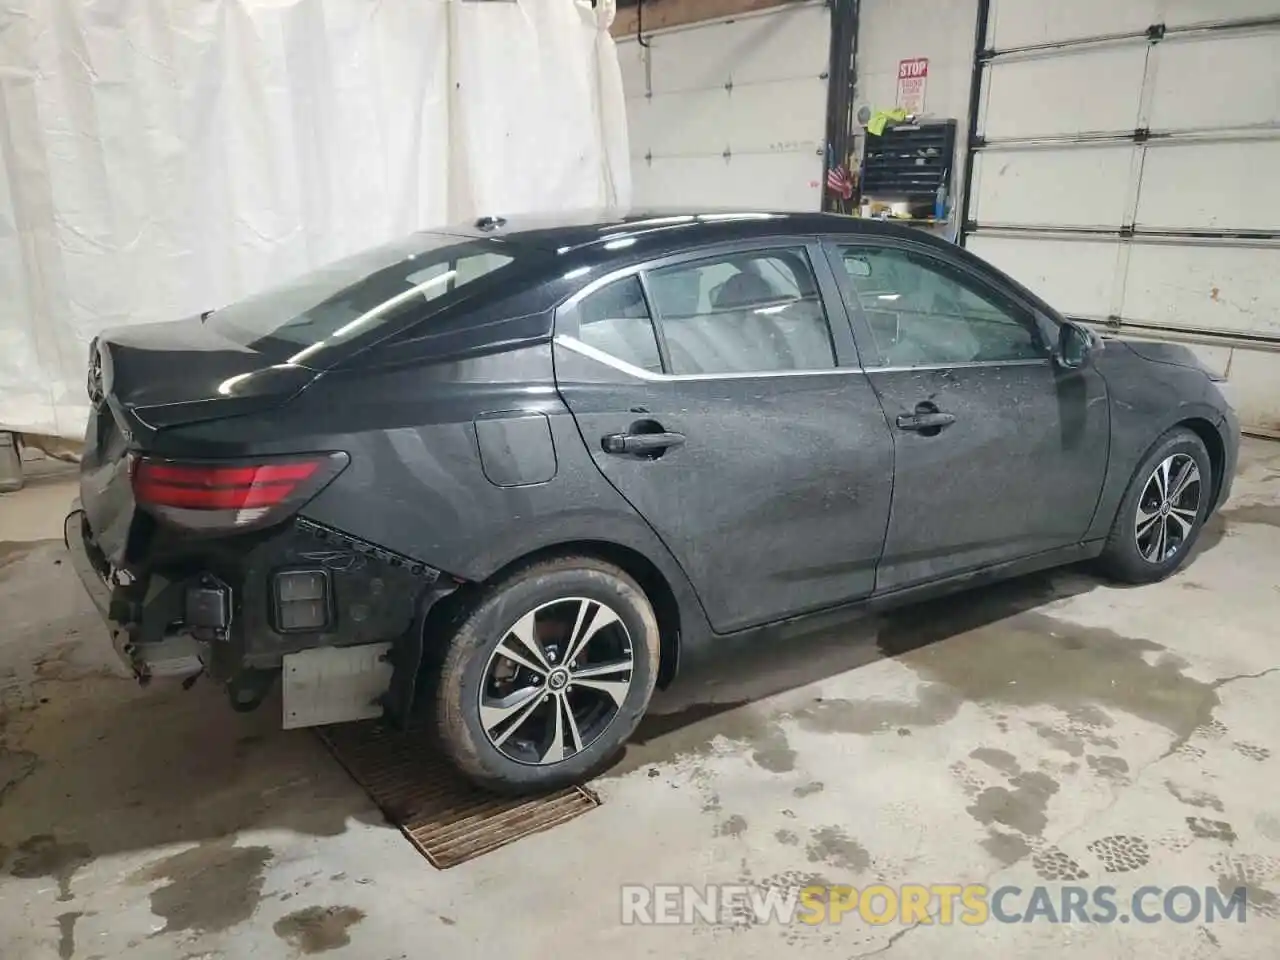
{"points": [[170, 656], [213, 607]]}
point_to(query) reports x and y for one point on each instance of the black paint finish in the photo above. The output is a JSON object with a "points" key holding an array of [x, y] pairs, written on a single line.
{"points": [[475, 437], [1017, 473], [776, 503], [516, 448], [1147, 397]]}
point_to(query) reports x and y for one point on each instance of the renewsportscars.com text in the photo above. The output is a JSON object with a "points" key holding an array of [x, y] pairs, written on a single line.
{"points": [[939, 903]]}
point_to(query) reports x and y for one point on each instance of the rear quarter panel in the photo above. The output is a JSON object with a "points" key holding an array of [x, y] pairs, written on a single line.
{"points": [[417, 482]]}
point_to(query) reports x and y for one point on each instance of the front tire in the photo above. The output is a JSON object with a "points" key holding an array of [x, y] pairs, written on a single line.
{"points": [[1162, 512], [548, 675]]}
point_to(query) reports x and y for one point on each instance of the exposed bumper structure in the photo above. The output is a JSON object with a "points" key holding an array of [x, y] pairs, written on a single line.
{"points": [[171, 656], [366, 659]]}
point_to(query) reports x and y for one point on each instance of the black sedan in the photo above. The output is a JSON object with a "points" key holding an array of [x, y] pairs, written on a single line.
{"points": [[506, 473]]}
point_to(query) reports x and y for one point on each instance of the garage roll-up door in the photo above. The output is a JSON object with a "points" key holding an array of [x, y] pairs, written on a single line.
{"points": [[730, 112], [1127, 167]]}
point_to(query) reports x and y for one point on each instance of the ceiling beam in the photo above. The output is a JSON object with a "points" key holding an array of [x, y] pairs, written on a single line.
{"points": [[660, 14]]}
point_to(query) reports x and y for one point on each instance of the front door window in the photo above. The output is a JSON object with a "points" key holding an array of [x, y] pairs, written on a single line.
{"points": [[923, 312]]}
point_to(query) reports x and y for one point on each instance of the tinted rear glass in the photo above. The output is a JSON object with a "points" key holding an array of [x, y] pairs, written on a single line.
{"points": [[392, 284]]}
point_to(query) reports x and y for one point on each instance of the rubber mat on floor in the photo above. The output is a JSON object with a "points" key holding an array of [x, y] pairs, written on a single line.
{"points": [[445, 816]]}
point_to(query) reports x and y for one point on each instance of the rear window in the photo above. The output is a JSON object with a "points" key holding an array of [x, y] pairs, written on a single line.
{"points": [[390, 284]]}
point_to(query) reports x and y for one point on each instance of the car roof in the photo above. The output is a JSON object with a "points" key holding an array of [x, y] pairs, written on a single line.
{"points": [[660, 228], [581, 240]]}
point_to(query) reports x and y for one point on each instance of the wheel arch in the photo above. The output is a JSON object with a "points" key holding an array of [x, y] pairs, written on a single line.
{"points": [[1134, 437], [675, 620], [1216, 446]]}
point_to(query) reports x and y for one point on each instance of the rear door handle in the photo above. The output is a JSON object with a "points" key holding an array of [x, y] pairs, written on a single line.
{"points": [[934, 420], [640, 444]]}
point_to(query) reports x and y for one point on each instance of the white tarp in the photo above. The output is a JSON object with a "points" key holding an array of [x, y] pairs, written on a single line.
{"points": [[163, 157]]}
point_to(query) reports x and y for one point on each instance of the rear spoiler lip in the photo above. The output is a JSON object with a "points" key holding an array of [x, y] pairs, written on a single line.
{"points": [[258, 392]]}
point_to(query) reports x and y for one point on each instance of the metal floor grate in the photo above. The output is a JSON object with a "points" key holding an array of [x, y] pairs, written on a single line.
{"points": [[444, 815]]}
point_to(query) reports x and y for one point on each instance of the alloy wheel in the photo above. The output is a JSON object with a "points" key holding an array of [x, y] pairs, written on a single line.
{"points": [[1168, 508], [556, 681]]}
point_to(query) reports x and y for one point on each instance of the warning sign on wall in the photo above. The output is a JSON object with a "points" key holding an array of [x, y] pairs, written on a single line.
{"points": [[913, 75]]}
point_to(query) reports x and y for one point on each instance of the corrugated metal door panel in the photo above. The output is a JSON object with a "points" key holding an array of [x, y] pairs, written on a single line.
{"points": [[1075, 188], [789, 179], [1022, 23], [1170, 233], [781, 44], [1084, 91], [1220, 96], [712, 121], [730, 113], [945, 36], [1077, 276], [1200, 83], [1215, 289], [1211, 186], [1179, 13]]}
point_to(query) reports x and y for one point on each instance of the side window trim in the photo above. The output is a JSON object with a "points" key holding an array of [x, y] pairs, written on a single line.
{"points": [[849, 354], [873, 358], [664, 352], [631, 285]]}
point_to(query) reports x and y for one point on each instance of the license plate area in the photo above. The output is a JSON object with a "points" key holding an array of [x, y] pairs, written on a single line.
{"points": [[335, 684]]}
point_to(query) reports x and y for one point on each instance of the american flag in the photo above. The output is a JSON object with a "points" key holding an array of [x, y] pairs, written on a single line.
{"points": [[839, 182]]}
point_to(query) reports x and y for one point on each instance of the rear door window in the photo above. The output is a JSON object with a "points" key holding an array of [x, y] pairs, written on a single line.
{"points": [[747, 312], [615, 319]]}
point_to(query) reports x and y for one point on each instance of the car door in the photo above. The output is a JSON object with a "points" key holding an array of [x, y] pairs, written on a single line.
{"points": [[999, 451], [724, 401]]}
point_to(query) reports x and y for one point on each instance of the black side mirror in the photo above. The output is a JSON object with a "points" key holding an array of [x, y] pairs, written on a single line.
{"points": [[1075, 344]]}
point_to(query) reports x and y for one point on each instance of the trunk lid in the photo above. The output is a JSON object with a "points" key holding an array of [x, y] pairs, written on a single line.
{"points": [[169, 374]]}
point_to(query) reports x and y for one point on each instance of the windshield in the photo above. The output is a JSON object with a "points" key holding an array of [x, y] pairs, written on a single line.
{"points": [[384, 285]]}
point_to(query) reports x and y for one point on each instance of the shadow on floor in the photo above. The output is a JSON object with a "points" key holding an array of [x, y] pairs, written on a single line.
{"points": [[96, 766], [732, 673], [91, 760]]}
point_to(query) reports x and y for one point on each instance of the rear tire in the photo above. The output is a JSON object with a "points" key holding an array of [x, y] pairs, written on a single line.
{"points": [[547, 676], [1163, 511]]}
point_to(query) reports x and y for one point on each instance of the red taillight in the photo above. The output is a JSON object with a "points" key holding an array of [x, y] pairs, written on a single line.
{"points": [[218, 495], [218, 488]]}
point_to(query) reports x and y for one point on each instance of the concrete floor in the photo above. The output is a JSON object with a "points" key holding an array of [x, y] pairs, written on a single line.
{"points": [[1030, 733]]}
